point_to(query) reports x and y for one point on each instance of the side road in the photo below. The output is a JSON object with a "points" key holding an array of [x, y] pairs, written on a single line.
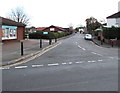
{"points": [[11, 51]]}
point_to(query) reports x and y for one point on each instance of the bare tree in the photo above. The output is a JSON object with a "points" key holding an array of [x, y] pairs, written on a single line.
{"points": [[19, 15]]}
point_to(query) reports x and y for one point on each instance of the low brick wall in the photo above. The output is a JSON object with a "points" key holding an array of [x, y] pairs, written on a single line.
{"points": [[116, 42]]}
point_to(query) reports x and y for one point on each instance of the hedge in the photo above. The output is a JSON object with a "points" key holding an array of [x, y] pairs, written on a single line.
{"points": [[50, 35], [111, 33]]}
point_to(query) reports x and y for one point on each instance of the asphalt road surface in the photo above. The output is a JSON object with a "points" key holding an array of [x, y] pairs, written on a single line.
{"points": [[75, 65]]}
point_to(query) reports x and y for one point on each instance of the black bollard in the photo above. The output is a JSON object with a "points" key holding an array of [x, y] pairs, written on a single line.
{"points": [[21, 48], [40, 43], [55, 39], [50, 41]]}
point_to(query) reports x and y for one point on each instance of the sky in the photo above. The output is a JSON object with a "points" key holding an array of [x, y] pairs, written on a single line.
{"points": [[63, 13]]}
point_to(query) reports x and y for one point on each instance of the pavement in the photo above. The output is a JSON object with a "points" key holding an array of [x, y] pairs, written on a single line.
{"points": [[11, 51], [105, 45]]}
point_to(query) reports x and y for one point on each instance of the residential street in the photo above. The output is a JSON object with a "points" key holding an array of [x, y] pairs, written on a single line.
{"points": [[74, 65]]}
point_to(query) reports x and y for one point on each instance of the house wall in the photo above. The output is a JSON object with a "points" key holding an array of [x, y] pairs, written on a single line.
{"points": [[118, 21], [55, 29], [111, 22]]}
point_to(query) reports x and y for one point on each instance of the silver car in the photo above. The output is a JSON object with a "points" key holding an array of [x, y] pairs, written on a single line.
{"points": [[88, 37]]}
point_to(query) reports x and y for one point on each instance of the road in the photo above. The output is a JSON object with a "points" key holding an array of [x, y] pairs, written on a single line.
{"points": [[75, 65]]}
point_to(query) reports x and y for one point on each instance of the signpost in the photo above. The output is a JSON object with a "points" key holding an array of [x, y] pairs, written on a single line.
{"points": [[44, 33]]}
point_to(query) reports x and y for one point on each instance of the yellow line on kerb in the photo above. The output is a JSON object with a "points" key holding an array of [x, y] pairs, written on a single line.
{"points": [[33, 57]]}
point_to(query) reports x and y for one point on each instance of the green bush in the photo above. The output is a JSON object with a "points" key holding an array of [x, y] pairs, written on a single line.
{"points": [[111, 33], [50, 35]]}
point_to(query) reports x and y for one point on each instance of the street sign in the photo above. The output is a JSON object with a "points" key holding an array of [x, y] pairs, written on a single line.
{"points": [[45, 33]]}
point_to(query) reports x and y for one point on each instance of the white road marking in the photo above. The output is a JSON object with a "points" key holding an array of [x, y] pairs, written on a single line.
{"points": [[96, 53], [79, 46], [64, 63], [78, 62], [5, 68], [100, 60], [99, 54], [56, 64], [89, 61], [83, 49], [37, 65], [93, 53], [92, 61], [21, 67], [70, 62], [111, 57]]}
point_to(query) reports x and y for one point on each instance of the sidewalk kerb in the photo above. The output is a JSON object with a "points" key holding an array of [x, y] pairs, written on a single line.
{"points": [[29, 55]]}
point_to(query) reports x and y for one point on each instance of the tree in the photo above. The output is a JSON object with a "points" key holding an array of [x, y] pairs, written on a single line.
{"points": [[19, 15], [92, 24]]}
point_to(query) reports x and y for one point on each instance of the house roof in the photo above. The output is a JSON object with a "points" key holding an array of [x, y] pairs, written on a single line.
{"points": [[9, 22], [60, 28], [116, 15], [40, 28], [44, 28]]}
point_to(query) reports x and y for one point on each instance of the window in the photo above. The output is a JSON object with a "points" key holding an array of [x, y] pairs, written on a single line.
{"points": [[9, 32], [52, 29]]}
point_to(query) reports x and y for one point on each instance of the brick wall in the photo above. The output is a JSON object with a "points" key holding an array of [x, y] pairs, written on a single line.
{"points": [[20, 33], [116, 42]]}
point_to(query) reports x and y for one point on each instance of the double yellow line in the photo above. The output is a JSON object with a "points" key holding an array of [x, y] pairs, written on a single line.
{"points": [[38, 54]]}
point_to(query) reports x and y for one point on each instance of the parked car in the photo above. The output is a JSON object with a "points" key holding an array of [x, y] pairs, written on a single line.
{"points": [[88, 37]]}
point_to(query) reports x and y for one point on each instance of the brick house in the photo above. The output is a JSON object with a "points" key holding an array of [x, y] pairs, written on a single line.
{"points": [[11, 30]]}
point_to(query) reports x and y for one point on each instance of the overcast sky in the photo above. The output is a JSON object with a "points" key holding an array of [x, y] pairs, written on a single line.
{"points": [[61, 12]]}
